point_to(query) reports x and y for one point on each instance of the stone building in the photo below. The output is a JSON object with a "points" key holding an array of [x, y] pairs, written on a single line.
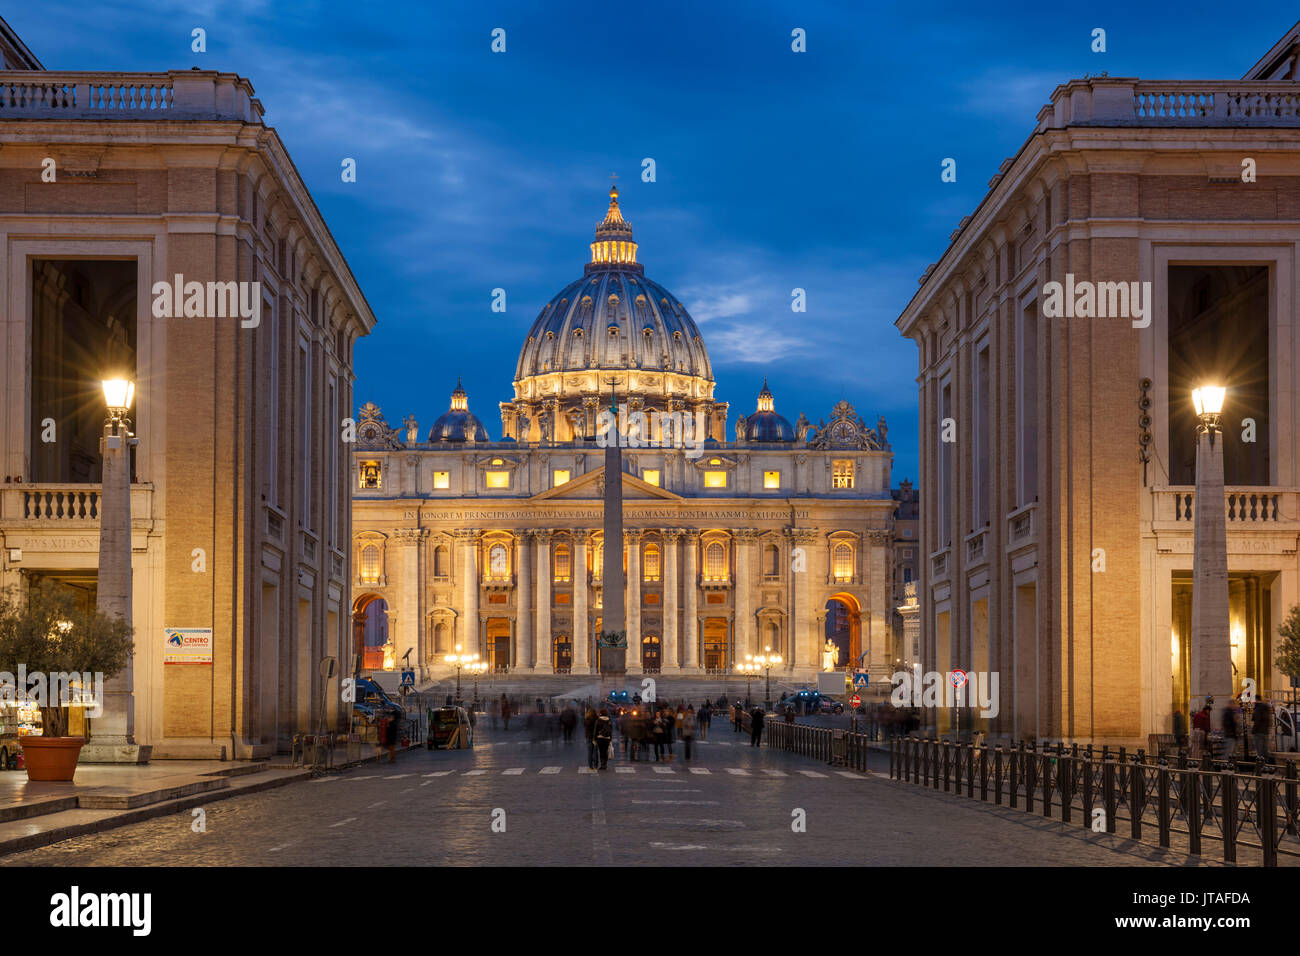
{"points": [[126, 202], [1057, 429], [907, 565], [772, 540]]}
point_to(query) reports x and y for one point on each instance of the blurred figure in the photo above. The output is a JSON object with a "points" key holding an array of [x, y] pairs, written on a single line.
{"points": [[704, 717], [568, 720], [657, 733], [688, 729], [1229, 719], [1201, 728], [604, 734], [1261, 724], [505, 710], [756, 727], [494, 711], [735, 718]]}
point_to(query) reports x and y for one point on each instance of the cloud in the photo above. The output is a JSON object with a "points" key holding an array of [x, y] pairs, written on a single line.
{"points": [[1009, 94]]}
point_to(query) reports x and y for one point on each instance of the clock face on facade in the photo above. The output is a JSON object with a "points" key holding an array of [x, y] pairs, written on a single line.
{"points": [[497, 561]]}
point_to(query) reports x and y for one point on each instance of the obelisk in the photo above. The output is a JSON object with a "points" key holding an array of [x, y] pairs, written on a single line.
{"points": [[613, 626]]}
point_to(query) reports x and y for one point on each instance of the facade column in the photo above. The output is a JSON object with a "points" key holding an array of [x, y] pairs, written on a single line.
{"points": [[541, 649], [876, 643], [581, 622], [743, 590], [632, 601], [671, 583], [408, 636], [470, 630], [690, 606], [801, 632], [527, 654]]}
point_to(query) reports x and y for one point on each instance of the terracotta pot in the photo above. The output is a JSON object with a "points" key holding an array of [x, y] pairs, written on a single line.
{"points": [[52, 758]]}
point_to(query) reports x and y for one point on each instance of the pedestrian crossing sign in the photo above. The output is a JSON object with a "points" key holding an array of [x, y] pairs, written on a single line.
{"points": [[860, 679], [408, 678]]}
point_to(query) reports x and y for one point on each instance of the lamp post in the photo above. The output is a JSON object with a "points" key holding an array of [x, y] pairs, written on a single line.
{"points": [[749, 668], [460, 660], [477, 667], [767, 660], [1211, 653], [115, 727]]}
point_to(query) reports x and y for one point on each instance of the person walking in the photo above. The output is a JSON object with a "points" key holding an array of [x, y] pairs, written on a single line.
{"points": [[1229, 721], [568, 720], [735, 716], [756, 727], [1261, 724], [657, 732], [670, 731], [688, 730], [505, 711], [389, 731], [704, 717], [1201, 729], [604, 730]]}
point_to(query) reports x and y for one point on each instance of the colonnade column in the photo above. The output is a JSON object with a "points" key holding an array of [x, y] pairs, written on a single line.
{"points": [[469, 630], [742, 589], [527, 654], [542, 635], [671, 538], [411, 621], [690, 607], [581, 636], [879, 666], [632, 604]]}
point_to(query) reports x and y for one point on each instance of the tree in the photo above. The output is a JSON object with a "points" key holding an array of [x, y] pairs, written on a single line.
{"points": [[51, 634], [1288, 650]]}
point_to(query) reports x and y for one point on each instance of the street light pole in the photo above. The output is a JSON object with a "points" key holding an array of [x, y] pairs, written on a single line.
{"points": [[1211, 653], [116, 726]]}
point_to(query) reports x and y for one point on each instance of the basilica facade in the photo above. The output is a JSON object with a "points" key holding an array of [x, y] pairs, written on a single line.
{"points": [[771, 542]]}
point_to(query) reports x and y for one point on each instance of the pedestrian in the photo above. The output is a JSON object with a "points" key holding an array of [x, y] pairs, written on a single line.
{"points": [[568, 720], [688, 730], [1201, 728], [589, 723], [505, 711], [756, 727], [1180, 728], [704, 718], [390, 730], [735, 717], [494, 711], [604, 730], [1261, 724], [657, 732], [670, 730], [1229, 721]]}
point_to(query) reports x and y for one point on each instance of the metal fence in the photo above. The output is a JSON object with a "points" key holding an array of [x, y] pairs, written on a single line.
{"points": [[840, 747], [1238, 805]]}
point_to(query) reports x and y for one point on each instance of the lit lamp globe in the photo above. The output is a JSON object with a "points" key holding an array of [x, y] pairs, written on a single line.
{"points": [[1208, 402], [118, 395]]}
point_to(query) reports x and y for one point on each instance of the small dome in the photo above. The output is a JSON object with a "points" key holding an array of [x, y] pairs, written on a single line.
{"points": [[766, 424], [459, 423]]}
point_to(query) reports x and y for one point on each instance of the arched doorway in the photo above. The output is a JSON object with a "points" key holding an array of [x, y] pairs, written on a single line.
{"points": [[715, 645], [563, 657], [498, 644], [844, 628], [369, 631], [651, 654]]}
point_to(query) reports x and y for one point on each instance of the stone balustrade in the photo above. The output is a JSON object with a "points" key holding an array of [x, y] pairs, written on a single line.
{"points": [[58, 504], [1117, 101], [1244, 506], [176, 94]]}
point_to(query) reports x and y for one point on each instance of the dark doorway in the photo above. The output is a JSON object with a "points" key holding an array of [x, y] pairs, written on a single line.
{"points": [[1219, 332]]}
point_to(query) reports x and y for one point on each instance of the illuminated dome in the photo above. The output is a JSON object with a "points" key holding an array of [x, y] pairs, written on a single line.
{"points": [[766, 424], [611, 324], [459, 423]]}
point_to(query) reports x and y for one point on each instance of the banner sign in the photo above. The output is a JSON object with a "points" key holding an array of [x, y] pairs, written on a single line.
{"points": [[187, 645]]}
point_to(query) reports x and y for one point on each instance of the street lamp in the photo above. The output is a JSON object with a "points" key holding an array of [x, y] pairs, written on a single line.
{"points": [[767, 661], [459, 660], [476, 667], [1211, 653], [749, 667], [116, 725]]}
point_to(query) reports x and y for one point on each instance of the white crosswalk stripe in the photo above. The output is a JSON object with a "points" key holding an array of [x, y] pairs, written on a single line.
{"points": [[625, 769], [549, 770], [811, 773], [700, 770], [851, 775], [664, 770], [436, 773], [738, 772], [513, 771], [474, 773], [776, 773]]}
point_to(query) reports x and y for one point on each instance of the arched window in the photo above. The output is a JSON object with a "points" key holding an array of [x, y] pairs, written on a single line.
{"points": [[440, 639], [498, 562], [370, 564], [563, 564], [651, 570], [842, 562], [440, 562], [714, 568], [597, 559], [771, 560]]}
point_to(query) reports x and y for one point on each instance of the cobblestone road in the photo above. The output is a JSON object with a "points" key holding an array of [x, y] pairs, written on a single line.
{"points": [[732, 805]]}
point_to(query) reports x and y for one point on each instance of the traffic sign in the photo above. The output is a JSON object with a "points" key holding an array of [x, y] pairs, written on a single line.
{"points": [[408, 678], [856, 701], [860, 679]]}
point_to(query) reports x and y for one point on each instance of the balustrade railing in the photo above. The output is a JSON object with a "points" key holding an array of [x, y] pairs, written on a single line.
{"points": [[73, 95]]}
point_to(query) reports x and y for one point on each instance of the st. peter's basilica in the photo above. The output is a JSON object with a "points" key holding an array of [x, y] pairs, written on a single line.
{"points": [[774, 540]]}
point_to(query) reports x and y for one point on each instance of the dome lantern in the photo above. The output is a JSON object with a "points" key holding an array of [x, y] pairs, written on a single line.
{"points": [[613, 247], [459, 424]]}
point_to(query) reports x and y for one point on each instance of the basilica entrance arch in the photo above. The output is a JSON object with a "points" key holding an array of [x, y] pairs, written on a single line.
{"points": [[563, 654], [714, 645], [498, 643], [369, 631], [651, 654], [844, 627]]}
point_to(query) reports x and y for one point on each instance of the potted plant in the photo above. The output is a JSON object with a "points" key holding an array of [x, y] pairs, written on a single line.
{"points": [[46, 640]]}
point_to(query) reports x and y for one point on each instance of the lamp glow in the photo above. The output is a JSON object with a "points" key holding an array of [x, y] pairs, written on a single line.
{"points": [[118, 395], [1208, 399]]}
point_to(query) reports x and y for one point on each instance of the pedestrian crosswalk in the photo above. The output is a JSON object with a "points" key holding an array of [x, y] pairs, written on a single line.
{"points": [[621, 768]]}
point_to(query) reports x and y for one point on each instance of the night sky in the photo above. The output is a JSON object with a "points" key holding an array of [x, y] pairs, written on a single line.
{"points": [[775, 169]]}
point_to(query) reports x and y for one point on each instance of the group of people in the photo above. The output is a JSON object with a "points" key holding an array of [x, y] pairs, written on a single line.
{"points": [[1231, 720], [645, 728]]}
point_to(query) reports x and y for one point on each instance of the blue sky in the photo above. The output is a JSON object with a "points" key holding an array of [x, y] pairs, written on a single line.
{"points": [[775, 170]]}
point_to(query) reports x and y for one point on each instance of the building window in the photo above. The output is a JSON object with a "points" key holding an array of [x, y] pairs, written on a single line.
{"points": [[715, 479], [441, 480], [563, 564], [370, 564], [907, 532], [771, 561], [559, 477], [842, 474], [771, 479], [651, 476], [370, 474], [498, 479], [439, 562], [842, 562], [498, 563], [597, 559], [907, 575], [650, 572], [714, 562]]}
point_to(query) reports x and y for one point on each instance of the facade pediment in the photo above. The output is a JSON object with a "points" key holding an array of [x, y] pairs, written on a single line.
{"points": [[591, 486]]}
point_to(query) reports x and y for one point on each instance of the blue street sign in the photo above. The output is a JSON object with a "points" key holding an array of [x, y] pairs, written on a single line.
{"points": [[860, 679], [408, 678]]}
